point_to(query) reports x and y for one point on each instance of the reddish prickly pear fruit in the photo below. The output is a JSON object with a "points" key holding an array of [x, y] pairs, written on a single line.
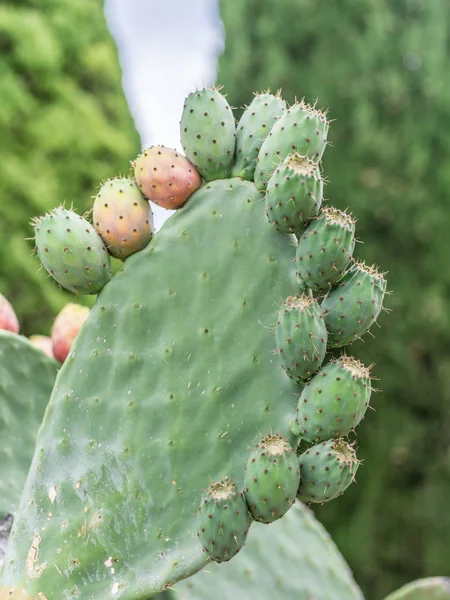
{"points": [[166, 177], [122, 217], [44, 343], [66, 327], [8, 318]]}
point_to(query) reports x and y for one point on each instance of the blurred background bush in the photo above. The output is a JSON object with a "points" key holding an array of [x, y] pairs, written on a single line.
{"points": [[64, 126], [382, 69]]}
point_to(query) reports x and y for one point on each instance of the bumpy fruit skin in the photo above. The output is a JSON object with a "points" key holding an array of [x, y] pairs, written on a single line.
{"points": [[353, 305], [333, 401], [302, 129], [325, 249], [301, 336], [272, 476], [326, 471], [122, 217], [294, 194], [72, 251], [8, 318], [66, 327], [253, 128], [208, 133], [44, 343], [223, 521], [166, 177], [429, 588]]}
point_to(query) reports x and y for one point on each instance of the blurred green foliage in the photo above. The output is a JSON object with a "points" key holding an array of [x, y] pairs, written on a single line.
{"points": [[382, 69], [64, 126]]}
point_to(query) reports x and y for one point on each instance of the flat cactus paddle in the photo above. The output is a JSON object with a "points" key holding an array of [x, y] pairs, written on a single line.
{"points": [[430, 588], [27, 376], [170, 382], [292, 558]]}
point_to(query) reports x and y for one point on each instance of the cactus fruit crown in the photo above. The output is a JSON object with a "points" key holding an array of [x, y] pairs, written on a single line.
{"points": [[274, 444], [355, 367], [302, 165], [181, 335], [344, 452], [338, 217]]}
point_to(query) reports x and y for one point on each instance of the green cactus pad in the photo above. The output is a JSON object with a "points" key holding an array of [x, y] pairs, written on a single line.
{"points": [[333, 401], [301, 336], [208, 133], [27, 376], [272, 476], [294, 194], [223, 521], [167, 385], [353, 305], [292, 558], [122, 217], [325, 249], [302, 129], [326, 471], [253, 128], [72, 251], [430, 588]]}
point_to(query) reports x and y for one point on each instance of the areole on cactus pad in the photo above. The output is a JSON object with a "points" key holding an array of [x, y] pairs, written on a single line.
{"points": [[171, 381]]}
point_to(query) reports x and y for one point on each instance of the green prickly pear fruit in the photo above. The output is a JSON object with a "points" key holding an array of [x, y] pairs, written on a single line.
{"points": [[44, 343], [208, 133], [325, 249], [294, 194], [166, 177], [326, 471], [66, 327], [122, 217], [301, 336], [354, 304], [429, 588], [8, 317], [333, 401], [302, 129], [272, 476], [72, 251], [253, 128], [223, 520]]}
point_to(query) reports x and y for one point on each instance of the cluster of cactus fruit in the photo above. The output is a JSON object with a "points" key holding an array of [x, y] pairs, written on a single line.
{"points": [[273, 288]]}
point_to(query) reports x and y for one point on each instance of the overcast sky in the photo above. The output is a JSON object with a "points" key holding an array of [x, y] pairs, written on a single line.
{"points": [[167, 48]]}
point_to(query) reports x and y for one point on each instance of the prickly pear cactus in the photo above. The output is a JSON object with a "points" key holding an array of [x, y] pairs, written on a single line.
{"points": [[292, 558], [173, 378], [430, 588], [27, 376]]}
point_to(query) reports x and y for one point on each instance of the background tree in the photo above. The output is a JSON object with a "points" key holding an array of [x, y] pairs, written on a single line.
{"points": [[64, 125], [380, 68]]}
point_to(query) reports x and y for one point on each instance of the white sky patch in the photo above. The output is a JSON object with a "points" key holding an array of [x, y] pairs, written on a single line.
{"points": [[167, 49]]}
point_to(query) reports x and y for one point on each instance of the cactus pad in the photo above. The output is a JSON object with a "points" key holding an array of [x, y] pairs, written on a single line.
{"points": [[27, 376], [165, 387], [326, 471], [292, 558], [430, 588], [72, 251]]}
